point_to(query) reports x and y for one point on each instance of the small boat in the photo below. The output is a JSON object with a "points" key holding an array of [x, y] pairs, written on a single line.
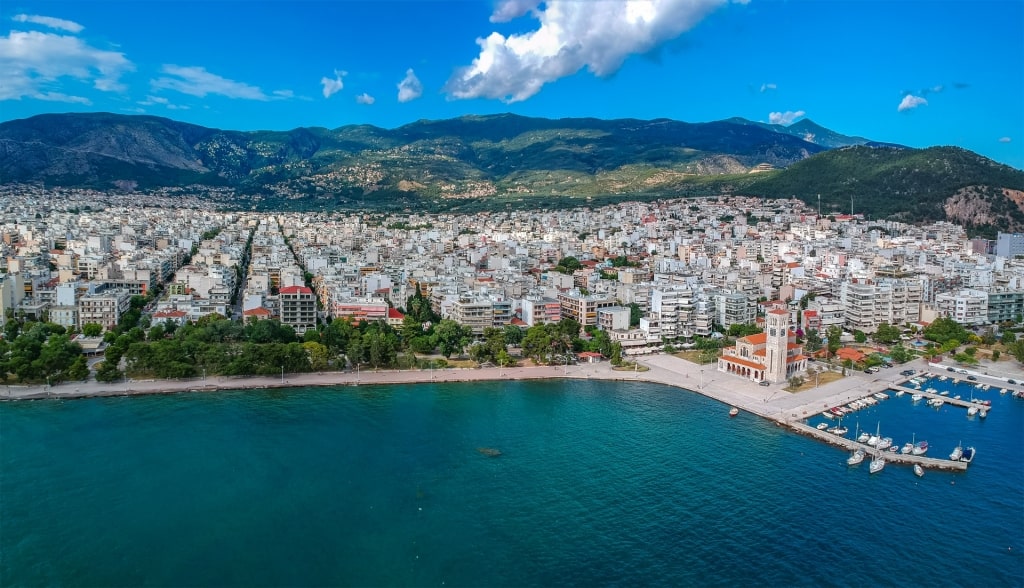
{"points": [[972, 411], [1003, 391], [821, 426], [968, 455], [863, 437], [855, 458], [918, 470], [907, 447], [884, 443], [938, 403], [983, 413], [881, 395], [734, 411], [893, 449], [920, 448], [827, 414], [877, 464], [916, 397], [930, 390], [958, 452], [840, 430], [900, 393], [944, 393]]}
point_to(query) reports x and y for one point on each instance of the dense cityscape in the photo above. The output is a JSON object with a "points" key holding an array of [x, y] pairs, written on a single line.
{"points": [[338, 290]]}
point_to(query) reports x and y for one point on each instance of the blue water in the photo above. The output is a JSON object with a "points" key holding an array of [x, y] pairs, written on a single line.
{"points": [[598, 483]]}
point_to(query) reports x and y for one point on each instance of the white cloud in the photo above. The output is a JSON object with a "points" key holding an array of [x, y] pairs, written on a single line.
{"points": [[365, 98], [196, 81], [784, 118], [333, 85], [150, 100], [572, 35], [49, 21], [766, 87], [283, 94], [507, 10], [911, 102], [410, 87], [1005, 139], [33, 64], [59, 97]]}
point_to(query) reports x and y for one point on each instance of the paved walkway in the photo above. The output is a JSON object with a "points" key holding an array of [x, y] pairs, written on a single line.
{"points": [[771, 402]]}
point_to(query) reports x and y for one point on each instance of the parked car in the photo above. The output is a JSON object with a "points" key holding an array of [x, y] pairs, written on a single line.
{"points": [[971, 378], [1011, 381], [764, 383], [949, 369]]}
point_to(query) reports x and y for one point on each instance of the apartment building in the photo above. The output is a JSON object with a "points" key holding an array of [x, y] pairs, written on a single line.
{"points": [[581, 307], [297, 308], [967, 307], [103, 309]]}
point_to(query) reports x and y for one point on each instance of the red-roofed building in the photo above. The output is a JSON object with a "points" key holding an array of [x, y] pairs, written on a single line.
{"points": [[772, 356], [174, 316], [395, 318], [256, 314], [297, 308]]}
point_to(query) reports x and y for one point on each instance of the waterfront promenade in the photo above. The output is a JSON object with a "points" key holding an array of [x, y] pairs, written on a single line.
{"points": [[770, 402]]}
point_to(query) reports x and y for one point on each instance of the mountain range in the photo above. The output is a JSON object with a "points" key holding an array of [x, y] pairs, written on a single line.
{"points": [[509, 160]]}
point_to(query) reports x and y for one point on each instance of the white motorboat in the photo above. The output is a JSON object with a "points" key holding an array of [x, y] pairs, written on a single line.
{"points": [[983, 413], [821, 426], [916, 397], [918, 470], [920, 448], [884, 443], [900, 393], [881, 395], [972, 411], [863, 437], [968, 455], [958, 452], [827, 415], [907, 448]]}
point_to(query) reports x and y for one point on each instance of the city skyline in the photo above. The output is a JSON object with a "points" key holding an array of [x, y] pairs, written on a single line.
{"points": [[910, 73]]}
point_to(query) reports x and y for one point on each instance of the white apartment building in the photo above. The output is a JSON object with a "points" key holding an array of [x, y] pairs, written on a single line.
{"points": [[967, 307]]}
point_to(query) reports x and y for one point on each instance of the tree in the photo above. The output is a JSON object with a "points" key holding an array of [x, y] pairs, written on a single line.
{"points": [[860, 337], [568, 265], [451, 337], [834, 334], [944, 329], [513, 334], [635, 314], [537, 344], [795, 382], [1008, 338], [92, 330], [813, 342], [887, 334]]}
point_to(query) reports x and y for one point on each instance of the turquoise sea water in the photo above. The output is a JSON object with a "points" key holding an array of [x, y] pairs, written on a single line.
{"points": [[599, 483]]}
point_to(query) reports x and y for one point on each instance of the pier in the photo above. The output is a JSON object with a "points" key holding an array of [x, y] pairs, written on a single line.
{"points": [[947, 399], [897, 457]]}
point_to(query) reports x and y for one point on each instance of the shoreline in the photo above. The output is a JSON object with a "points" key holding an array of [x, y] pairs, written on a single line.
{"points": [[768, 402]]}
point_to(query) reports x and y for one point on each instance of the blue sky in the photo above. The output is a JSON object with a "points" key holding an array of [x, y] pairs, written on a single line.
{"points": [[907, 71]]}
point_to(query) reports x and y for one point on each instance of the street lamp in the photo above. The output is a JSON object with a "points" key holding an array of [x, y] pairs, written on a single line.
{"points": [[282, 374]]}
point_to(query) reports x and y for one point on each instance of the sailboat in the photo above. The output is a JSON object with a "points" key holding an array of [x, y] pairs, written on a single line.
{"points": [[909, 447], [856, 457], [877, 463]]}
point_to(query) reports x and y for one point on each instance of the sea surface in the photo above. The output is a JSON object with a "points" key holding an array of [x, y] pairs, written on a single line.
{"points": [[597, 484]]}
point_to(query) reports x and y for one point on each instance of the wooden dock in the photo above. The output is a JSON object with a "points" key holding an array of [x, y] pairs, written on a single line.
{"points": [[851, 445]]}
